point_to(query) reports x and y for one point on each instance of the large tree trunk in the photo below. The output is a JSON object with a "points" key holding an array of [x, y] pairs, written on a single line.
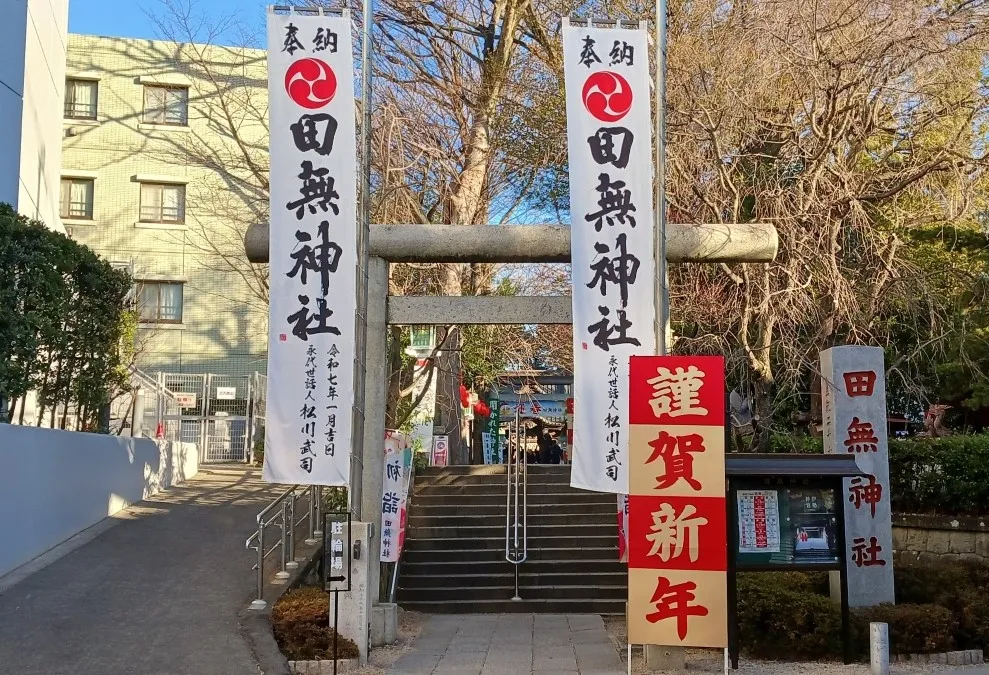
{"points": [[394, 376], [448, 410]]}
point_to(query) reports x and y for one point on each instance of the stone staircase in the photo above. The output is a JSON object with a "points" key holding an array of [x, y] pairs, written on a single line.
{"points": [[454, 559]]}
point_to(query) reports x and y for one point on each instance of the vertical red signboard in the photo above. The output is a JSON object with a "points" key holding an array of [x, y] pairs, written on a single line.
{"points": [[677, 540]]}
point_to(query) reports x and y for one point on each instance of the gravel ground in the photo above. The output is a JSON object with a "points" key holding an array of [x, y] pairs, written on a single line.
{"points": [[712, 661], [382, 658]]}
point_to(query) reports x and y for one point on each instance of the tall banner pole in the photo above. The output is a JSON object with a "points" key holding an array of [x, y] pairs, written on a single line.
{"points": [[363, 234], [662, 291]]}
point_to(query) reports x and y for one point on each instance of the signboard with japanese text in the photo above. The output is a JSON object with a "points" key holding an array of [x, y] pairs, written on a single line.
{"points": [[226, 393], [440, 454], [185, 400], [487, 445], [494, 421], [787, 521], [395, 494], [853, 391], [532, 407], [313, 250], [677, 532], [758, 521], [337, 551], [609, 136]]}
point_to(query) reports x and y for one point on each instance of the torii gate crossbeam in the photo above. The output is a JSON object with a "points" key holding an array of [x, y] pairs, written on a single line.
{"points": [[708, 243]]}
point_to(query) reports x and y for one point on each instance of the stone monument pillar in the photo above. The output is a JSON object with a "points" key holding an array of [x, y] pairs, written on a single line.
{"points": [[853, 392]]}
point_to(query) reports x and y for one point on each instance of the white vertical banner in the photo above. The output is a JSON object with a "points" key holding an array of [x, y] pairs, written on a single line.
{"points": [[395, 491], [853, 392], [313, 250], [609, 136], [487, 444]]}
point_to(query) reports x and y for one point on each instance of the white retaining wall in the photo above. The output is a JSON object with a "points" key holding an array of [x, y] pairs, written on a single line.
{"points": [[55, 484]]}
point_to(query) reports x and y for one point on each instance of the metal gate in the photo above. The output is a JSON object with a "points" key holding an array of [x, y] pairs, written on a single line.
{"points": [[182, 406], [228, 400], [216, 412], [258, 410]]}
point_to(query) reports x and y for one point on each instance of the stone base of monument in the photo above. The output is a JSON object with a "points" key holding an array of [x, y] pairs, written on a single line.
{"points": [[384, 624], [659, 657], [965, 657]]}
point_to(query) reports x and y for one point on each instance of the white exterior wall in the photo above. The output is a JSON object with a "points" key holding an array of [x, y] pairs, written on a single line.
{"points": [[224, 327], [58, 483], [32, 84]]}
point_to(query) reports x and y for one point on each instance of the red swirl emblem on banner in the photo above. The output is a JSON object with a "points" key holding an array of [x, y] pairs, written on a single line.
{"points": [[607, 96], [311, 83]]}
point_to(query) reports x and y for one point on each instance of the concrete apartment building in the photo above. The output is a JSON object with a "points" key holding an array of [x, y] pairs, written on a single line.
{"points": [[32, 78], [164, 165]]}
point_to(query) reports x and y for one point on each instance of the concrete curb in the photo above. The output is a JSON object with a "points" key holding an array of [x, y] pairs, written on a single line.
{"points": [[255, 625], [965, 657]]}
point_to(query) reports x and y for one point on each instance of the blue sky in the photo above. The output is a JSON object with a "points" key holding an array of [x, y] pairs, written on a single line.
{"points": [[120, 18]]}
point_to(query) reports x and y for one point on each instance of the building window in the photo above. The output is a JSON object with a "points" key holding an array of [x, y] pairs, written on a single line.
{"points": [[80, 99], [166, 105], [159, 301], [76, 198], [162, 203]]}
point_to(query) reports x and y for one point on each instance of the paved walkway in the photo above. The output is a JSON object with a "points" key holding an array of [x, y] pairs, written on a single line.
{"points": [[512, 644], [157, 594]]}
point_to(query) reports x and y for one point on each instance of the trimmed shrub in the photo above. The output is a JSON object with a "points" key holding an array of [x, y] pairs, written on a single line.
{"points": [[300, 621], [941, 606], [942, 475], [961, 587], [784, 605], [926, 475]]}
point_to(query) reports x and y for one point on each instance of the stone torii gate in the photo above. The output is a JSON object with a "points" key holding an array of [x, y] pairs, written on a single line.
{"points": [[708, 243]]}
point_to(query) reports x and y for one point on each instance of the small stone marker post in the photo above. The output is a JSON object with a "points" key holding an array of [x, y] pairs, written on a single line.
{"points": [[879, 648], [853, 384]]}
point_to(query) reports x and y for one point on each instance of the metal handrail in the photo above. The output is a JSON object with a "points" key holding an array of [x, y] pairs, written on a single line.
{"points": [[281, 512], [516, 547]]}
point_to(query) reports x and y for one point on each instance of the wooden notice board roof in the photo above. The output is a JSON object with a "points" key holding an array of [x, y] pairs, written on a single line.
{"points": [[790, 464]]}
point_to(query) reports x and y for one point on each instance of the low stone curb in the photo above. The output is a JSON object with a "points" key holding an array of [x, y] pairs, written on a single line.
{"points": [[966, 657], [322, 667]]}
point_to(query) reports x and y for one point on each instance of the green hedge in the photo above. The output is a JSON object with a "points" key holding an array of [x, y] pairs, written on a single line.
{"points": [[940, 607], [944, 475], [926, 475], [786, 605], [961, 587]]}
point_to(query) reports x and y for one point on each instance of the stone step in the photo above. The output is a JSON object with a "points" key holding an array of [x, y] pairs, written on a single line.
{"points": [[491, 470], [473, 510], [491, 479], [550, 498], [571, 541], [534, 487], [505, 592], [454, 559], [530, 568], [506, 578], [497, 530], [524, 606], [603, 555]]}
